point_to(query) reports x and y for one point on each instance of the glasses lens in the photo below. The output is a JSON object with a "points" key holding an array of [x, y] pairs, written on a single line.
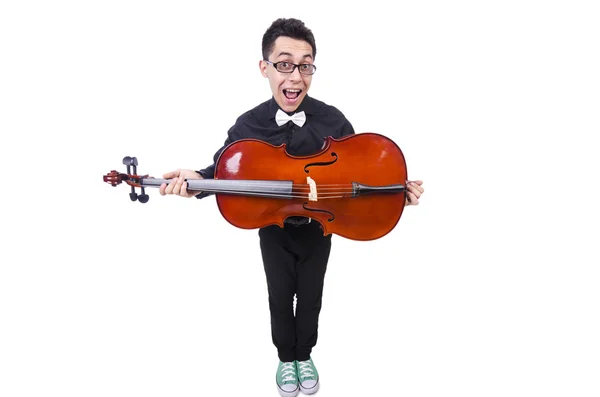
{"points": [[307, 68], [285, 67]]}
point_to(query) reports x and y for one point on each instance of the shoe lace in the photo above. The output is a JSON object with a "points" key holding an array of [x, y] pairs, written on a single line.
{"points": [[305, 368], [288, 372]]}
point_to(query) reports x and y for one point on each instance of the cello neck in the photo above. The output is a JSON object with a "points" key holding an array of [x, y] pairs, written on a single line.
{"points": [[258, 188]]}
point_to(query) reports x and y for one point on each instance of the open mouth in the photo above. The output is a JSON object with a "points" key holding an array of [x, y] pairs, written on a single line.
{"points": [[292, 93]]}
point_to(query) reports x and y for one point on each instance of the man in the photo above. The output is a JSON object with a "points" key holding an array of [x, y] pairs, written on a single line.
{"points": [[294, 257]]}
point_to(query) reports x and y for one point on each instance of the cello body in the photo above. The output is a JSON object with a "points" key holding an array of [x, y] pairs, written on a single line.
{"points": [[353, 187]]}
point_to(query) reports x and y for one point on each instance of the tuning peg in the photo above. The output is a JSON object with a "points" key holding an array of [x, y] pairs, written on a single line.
{"points": [[133, 196], [130, 161], [143, 197]]}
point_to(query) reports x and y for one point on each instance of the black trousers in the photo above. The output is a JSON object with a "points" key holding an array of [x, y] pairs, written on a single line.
{"points": [[295, 260]]}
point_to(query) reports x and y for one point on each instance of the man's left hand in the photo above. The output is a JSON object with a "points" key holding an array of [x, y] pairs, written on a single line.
{"points": [[413, 192]]}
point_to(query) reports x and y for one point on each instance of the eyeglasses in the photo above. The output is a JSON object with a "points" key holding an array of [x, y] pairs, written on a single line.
{"points": [[287, 67]]}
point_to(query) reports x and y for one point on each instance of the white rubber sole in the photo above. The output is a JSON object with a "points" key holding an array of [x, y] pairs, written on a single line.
{"points": [[311, 390], [284, 393]]}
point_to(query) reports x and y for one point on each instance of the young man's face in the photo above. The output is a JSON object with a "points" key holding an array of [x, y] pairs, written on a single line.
{"points": [[289, 89]]}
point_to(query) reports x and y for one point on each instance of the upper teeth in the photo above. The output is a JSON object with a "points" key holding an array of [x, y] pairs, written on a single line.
{"points": [[290, 90]]}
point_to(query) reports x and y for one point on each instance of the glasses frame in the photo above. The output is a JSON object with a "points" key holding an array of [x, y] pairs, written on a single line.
{"points": [[274, 64]]}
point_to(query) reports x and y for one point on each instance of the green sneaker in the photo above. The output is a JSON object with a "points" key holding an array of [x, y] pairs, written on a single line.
{"points": [[287, 379], [308, 376]]}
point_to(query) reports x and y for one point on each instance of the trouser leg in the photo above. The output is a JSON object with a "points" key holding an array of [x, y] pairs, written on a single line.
{"points": [[295, 261], [279, 264], [310, 274]]}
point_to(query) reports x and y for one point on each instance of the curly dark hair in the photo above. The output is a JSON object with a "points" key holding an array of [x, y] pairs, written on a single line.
{"points": [[288, 27]]}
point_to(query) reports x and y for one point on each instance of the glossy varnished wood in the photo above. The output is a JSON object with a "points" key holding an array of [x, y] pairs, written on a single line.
{"points": [[366, 158]]}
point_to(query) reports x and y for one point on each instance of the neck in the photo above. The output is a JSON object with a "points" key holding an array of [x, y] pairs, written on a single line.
{"points": [[273, 189]]}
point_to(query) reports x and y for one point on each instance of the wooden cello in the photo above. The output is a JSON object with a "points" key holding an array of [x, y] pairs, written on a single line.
{"points": [[354, 187]]}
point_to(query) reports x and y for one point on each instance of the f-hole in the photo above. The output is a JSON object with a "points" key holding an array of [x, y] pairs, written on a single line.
{"points": [[331, 216], [324, 163]]}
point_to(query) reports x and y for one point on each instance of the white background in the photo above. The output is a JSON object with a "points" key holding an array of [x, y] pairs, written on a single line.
{"points": [[490, 287]]}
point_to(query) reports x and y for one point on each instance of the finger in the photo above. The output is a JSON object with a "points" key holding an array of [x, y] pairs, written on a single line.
{"points": [[162, 188], [177, 186], [170, 187], [183, 191], [414, 191], [415, 187], [412, 199]]}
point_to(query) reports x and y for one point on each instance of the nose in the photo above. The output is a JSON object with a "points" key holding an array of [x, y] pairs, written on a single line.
{"points": [[295, 75]]}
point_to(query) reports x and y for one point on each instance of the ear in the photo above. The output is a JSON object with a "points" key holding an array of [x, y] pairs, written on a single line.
{"points": [[262, 65]]}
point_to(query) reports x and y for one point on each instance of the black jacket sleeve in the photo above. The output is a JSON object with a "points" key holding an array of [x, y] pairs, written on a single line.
{"points": [[209, 172]]}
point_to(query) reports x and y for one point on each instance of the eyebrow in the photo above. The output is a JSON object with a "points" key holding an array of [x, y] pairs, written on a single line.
{"points": [[291, 55]]}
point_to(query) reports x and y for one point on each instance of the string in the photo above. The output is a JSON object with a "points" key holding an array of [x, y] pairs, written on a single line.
{"points": [[245, 182], [273, 195], [324, 191], [249, 184]]}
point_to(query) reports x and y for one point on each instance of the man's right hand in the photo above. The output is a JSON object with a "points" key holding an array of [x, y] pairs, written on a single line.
{"points": [[177, 185]]}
